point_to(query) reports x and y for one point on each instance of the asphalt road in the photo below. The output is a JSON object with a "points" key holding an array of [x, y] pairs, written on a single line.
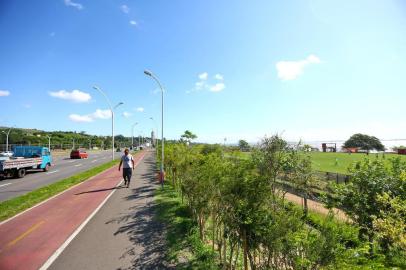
{"points": [[124, 234], [62, 167]]}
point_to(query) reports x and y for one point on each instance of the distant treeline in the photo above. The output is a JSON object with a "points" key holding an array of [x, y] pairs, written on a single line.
{"points": [[63, 139]]}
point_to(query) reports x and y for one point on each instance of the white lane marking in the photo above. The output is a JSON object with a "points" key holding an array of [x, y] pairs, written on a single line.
{"points": [[5, 184], [52, 172], [71, 161], [58, 252], [93, 161], [77, 165]]}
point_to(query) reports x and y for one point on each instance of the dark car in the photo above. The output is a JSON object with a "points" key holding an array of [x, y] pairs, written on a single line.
{"points": [[78, 154]]}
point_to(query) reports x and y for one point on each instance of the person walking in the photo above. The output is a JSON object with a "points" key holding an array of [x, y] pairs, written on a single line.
{"points": [[127, 161]]}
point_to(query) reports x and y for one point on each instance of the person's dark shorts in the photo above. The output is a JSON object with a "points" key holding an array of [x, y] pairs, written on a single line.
{"points": [[127, 173]]}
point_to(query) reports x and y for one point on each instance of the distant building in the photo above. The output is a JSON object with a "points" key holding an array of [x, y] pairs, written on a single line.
{"points": [[329, 147]]}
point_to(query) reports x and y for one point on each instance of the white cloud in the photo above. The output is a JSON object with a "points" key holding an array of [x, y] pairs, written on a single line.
{"points": [[199, 85], [75, 95], [219, 77], [87, 118], [125, 9], [203, 76], [217, 87], [290, 70], [132, 22], [127, 114], [204, 83], [80, 118], [101, 114], [70, 3], [139, 109], [4, 93]]}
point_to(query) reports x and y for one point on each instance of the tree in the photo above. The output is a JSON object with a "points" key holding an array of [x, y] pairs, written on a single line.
{"points": [[243, 145], [364, 142], [307, 148], [188, 136], [371, 199]]}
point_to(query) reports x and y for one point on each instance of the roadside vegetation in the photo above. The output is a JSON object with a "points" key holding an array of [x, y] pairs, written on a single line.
{"points": [[18, 204], [237, 210], [64, 139]]}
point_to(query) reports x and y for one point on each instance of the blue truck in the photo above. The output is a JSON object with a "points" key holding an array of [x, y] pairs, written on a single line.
{"points": [[25, 158]]}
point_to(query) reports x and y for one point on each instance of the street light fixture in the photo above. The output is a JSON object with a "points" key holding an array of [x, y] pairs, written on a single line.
{"points": [[112, 118], [132, 134], [150, 74]]}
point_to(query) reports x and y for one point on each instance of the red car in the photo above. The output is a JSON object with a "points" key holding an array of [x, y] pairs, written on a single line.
{"points": [[78, 154]]}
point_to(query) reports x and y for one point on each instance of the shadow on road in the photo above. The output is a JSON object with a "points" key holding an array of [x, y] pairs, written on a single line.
{"points": [[99, 190]]}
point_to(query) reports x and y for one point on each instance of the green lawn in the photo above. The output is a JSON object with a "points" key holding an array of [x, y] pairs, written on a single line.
{"points": [[326, 162], [339, 162]]}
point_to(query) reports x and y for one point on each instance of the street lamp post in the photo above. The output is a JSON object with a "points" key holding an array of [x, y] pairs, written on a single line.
{"points": [[7, 133], [149, 73], [49, 142], [132, 134], [112, 118]]}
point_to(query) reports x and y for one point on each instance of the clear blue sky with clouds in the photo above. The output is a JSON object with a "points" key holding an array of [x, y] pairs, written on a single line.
{"points": [[314, 70]]}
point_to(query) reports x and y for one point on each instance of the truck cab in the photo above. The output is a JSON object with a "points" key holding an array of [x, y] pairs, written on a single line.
{"points": [[34, 152]]}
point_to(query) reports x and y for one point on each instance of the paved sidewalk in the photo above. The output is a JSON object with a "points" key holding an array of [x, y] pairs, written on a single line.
{"points": [[30, 239], [123, 234]]}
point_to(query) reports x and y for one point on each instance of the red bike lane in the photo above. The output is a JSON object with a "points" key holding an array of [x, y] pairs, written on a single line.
{"points": [[28, 240]]}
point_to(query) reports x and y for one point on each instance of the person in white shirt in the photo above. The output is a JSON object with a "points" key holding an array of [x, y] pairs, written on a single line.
{"points": [[127, 161]]}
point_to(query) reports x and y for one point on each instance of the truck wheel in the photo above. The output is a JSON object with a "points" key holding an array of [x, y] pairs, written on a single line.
{"points": [[21, 173], [46, 168]]}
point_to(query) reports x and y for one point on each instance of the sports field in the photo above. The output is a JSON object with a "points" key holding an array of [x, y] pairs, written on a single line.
{"points": [[339, 162]]}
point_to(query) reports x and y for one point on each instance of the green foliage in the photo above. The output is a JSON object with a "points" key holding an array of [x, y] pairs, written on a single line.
{"points": [[374, 200], [185, 250], [239, 209], [364, 142], [243, 145], [188, 136]]}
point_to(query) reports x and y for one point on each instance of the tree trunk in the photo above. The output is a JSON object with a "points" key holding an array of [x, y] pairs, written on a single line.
{"points": [[305, 208], [224, 253], [214, 230], [245, 248], [237, 255], [371, 244], [252, 260], [230, 261]]}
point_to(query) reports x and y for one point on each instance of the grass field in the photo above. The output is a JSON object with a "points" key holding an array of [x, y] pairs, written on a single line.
{"points": [[339, 162]]}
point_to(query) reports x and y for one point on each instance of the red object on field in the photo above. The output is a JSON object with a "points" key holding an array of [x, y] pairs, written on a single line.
{"points": [[78, 154], [402, 151]]}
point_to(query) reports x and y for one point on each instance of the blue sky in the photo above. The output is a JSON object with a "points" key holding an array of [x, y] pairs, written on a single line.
{"points": [[314, 70]]}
